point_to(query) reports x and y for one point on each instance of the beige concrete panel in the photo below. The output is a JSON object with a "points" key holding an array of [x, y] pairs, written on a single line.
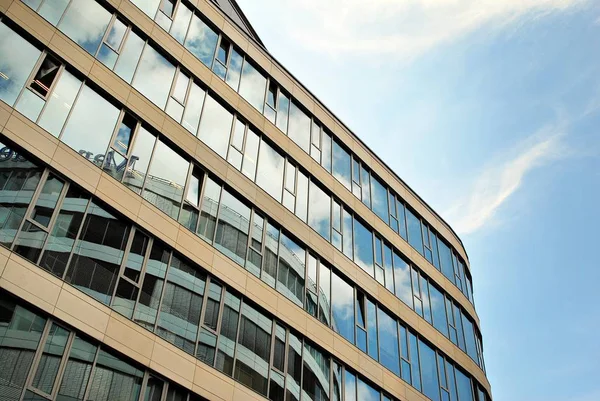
{"points": [[114, 3], [5, 111], [145, 109], [211, 13], [76, 167], [259, 291], [388, 299], [71, 52], [115, 193], [195, 248], [167, 42], [136, 16], [5, 4], [367, 283], [211, 160], [278, 138], [195, 66], [319, 333], [31, 137], [346, 352], [212, 384], [129, 338], [28, 19], [158, 223], [233, 33], [291, 314], [179, 136], [173, 362], [229, 272], [342, 193], [320, 245], [107, 79], [298, 227], [302, 96], [4, 255], [366, 215], [345, 265], [371, 369], [281, 77], [267, 203], [82, 311], [30, 283], [241, 183], [259, 57], [241, 392], [322, 175], [414, 395], [393, 385]]}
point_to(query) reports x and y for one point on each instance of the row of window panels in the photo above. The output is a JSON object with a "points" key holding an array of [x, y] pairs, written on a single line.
{"points": [[114, 43], [146, 165], [230, 64], [68, 233], [43, 360]]}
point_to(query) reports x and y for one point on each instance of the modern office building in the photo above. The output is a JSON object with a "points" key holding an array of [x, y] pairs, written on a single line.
{"points": [[181, 219]]}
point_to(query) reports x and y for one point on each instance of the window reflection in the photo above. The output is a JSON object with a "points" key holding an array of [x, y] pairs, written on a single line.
{"points": [[319, 216], [270, 171], [215, 126], [342, 307], [299, 127], [363, 247], [201, 41], [291, 268], [341, 165], [154, 76], [85, 22], [15, 67], [253, 86], [232, 228], [60, 103]]}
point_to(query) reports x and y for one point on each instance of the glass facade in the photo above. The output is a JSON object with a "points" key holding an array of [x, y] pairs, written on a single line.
{"points": [[72, 234]]}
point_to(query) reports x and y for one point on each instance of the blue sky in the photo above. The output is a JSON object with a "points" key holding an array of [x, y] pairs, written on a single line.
{"points": [[490, 110]]}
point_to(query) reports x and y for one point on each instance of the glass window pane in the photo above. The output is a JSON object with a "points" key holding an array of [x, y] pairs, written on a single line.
{"points": [[366, 392], [254, 348], [77, 371], [446, 260], [15, 67], [30, 241], [47, 199], [414, 231], [270, 171], [299, 127], [181, 305], [20, 179], [342, 307], [302, 196], [66, 227], [291, 268], [380, 199], [341, 165], [271, 252], [229, 326], [115, 379], [154, 389], [210, 206], [25, 328], [235, 70], [47, 368], [215, 126], [429, 372], [53, 10], [363, 247], [181, 22], [283, 108], [116, 34], [154, 76], [193, 108], [250, 154], [98, 254], [140, 158], [253, 86], [166, 179], [414, 361], [233, 228], [85, 22], [148, 6], [438, 309], [201, 41], [315, 378], [463, 384], [319, 211], [324, 294], [90, 124], [350, 387], [60, 103], [129, 57], [469, 336], [152, 287], [389, 355]]}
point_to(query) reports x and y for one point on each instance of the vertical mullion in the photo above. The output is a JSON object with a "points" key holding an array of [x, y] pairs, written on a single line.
{"points": [[219, 322], [62, 130], [143, 187], [124, 261], [77, 237], [50, 89], [109, 28], [36, 358], [142, 276], [63, 364], [53, 219], [237, 336], [162, 294]]}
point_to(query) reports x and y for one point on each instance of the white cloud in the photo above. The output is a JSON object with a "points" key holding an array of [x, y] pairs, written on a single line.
{"points": [[403, 28], [500, 180]]}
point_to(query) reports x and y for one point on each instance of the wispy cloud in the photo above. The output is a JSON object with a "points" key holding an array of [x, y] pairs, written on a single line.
{"points": [[404, 28], [500, 180]]}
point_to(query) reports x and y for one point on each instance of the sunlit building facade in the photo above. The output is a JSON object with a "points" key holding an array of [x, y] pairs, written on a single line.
{"points": [[182, 220]]}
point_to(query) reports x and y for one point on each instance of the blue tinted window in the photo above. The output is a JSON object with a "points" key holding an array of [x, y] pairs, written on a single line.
{"points": [[414, 361], [85, 22], [402, 280], [319, 211], [446, 260], [380, 199], [429, 372], [389, 355], [201, 41], [342, 165], [15, 66], [363, 247], [414, 231], [372, 329], [463, 383], [469, 337], [438, 310], [342, 307]]}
